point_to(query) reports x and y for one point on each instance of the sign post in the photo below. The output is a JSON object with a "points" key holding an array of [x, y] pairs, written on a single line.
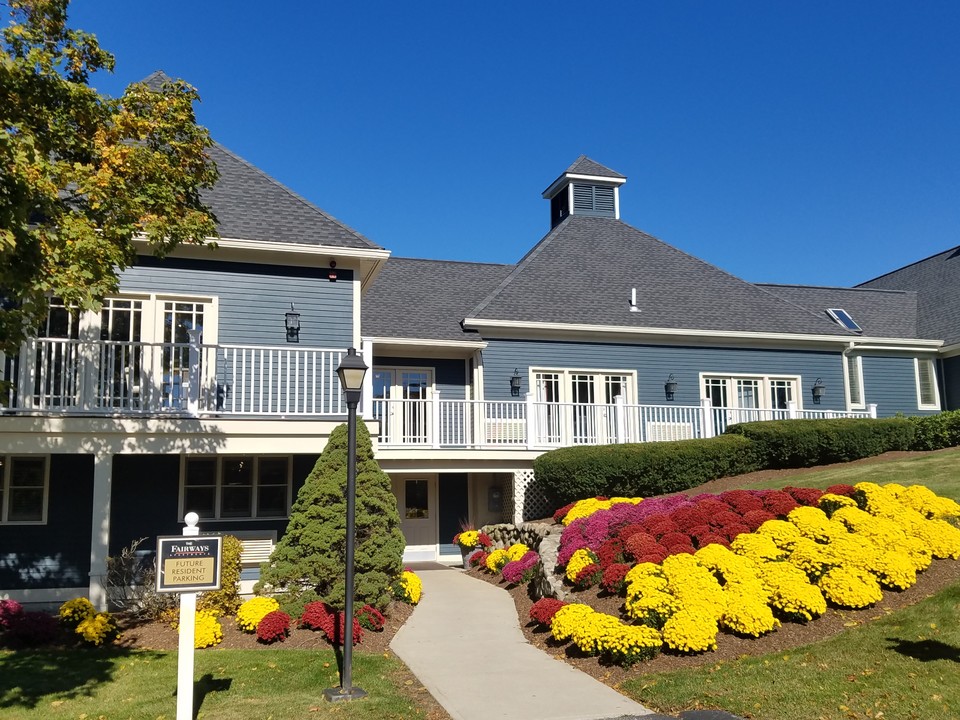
{"points": [[187, 564]]}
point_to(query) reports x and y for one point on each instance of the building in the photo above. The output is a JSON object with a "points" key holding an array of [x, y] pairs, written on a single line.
{"points": [[208, 383]]}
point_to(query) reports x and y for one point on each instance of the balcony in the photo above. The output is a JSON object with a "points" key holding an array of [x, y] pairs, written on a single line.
{"points": [[532, 425], [74, 377]]}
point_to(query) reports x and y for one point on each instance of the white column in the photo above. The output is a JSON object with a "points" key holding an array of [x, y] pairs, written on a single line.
{"points": [[707, 429], [620, 420], [791, 409], [872, 410], [435, 418], [89, 357], [100, 528], [531, 411], [366, 399], [193, 391]]}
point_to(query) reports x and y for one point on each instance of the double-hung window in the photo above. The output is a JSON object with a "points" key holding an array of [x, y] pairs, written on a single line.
{"points": [[236, 486], [24, 484], [576, 407]]}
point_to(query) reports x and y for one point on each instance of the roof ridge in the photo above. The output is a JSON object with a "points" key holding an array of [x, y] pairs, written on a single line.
{"points": [[460, 262], [296, 196], [835, 287], [521, 264], [916, 262]]}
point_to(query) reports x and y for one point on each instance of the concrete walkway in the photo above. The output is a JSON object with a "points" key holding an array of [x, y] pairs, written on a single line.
{"points": [[465, 645]]}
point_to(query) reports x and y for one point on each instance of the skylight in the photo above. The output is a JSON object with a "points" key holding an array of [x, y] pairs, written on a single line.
{"points": [[843, 318]]}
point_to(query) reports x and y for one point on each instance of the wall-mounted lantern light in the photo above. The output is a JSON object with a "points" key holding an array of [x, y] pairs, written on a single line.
{"points": [[515, 383], [332, 274], [818, 390], [670, 387], [292, 322]]}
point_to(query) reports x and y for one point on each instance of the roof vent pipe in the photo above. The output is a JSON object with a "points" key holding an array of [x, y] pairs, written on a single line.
{"points": [[633, 301]]}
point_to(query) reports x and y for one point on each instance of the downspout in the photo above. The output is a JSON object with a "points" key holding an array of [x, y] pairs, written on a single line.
{"points": [[846, 378]]}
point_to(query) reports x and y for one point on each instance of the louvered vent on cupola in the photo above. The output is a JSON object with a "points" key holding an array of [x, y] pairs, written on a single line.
{"points": [[586, 188]]}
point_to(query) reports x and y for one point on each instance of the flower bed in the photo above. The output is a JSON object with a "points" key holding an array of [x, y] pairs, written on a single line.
{"points": [[743, 562]]}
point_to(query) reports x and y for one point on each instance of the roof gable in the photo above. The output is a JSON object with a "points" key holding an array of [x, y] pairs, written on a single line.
{"points": [[584, 270], [585, 166]]}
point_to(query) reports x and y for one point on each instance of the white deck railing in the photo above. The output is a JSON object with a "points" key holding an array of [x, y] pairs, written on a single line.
{"points": [[53, 375], [442, 423]]}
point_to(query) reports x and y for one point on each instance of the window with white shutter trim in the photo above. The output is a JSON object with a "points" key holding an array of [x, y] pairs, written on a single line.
{"points": [[927, 395], [854, 381]]}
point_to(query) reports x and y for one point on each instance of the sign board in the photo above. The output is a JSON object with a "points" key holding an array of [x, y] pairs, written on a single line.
{"points": [[188, 564]]}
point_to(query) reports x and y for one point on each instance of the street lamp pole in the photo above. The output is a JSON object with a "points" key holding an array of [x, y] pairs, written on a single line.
{"points": [[351, 372]]}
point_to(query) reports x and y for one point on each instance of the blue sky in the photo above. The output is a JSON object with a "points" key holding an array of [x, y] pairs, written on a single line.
{"points": [[814, 142]]}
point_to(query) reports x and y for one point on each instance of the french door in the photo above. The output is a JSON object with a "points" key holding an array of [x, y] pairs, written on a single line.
{"points": [[400, 403]]}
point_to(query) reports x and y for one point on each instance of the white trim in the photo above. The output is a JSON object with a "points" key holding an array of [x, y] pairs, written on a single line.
{"points": [[281, 247], [933, 381], [218, 488], [5, 483], [949, 351], [44, 596], [597, 373], [858, 361], [766, 402], [356, 290], [547, 329], [568, 178], [466, 345]]}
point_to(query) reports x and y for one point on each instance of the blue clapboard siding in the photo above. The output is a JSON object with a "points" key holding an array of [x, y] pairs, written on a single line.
{"points": [[654, 363], [891, 383], [949, 379], [254, 298], [57, 554], [145, 498]]}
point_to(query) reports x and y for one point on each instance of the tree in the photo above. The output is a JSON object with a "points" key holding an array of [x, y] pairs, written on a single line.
{"points": [[83, 175], [309, 560]]}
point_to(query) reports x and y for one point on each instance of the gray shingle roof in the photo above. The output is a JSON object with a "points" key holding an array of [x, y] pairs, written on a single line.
{"points": [[936, 280], [881, 313], [584, 269], [427, 298], [585, 166], [251, 205]]}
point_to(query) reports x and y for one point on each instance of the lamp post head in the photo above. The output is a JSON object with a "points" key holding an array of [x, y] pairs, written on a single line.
{"points": [[351, 372]]}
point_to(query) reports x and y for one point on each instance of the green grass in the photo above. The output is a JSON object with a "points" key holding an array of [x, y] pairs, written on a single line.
{"points": [[939, 471], [903, 666], [231, 685], [906, 665]]}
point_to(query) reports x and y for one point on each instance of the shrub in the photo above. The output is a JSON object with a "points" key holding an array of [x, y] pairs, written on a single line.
{"points": [[628, 470], [310, 555], [933, 432], [253, 611], [804, 443], [98, 629], [32, 629], [523, 570], [614, 578], [320, 616], [407, 588], [314, 615], [274, 627], [10, 610], [132, 584], [207, 630], [226, 600]]}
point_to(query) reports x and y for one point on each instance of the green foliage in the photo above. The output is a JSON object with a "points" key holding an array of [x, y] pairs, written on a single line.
{"points": [[309, 558], [226, 600], [84, 174], [804, 443], [934, 432], [572, 473]]}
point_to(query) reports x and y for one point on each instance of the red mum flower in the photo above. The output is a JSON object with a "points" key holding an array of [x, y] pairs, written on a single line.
{"points": [[711, 539], [713, 505], [588, 577], [778, 502], [846, 490], [273, 627], [661, 527], [756, 518], [544, 609], [720, 519], [804, 496], [610, 552], [560, 514], [613, 580], [628, 531], [655, 555], [732, 530], [676, 538], [640, 544], [741, 501]]}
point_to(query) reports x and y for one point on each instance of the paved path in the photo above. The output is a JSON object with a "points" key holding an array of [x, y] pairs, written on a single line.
{"points": [[465, 645]]}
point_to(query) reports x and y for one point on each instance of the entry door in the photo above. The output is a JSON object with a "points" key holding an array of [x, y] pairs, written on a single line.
{"points": [[417, 503], [400, 404]]}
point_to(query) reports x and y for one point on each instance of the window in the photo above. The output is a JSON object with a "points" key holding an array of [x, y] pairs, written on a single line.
{"points": [[23, 489], [236, 486], [855, 381], [750, 393], [575, 406], [928, 398], [842, 317]]}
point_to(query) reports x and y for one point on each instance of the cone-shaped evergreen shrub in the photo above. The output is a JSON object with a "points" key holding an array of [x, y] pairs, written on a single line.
{"points": [[308, 561]]}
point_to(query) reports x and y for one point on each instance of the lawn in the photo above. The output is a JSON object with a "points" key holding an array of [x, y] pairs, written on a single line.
{"points": [[232, 685], [904, 665]]}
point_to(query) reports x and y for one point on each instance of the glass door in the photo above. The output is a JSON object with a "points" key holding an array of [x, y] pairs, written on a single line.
{"points": [[401, 404]]}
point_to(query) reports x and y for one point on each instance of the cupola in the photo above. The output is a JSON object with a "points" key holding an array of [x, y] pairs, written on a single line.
{"points": [[585, 188]]}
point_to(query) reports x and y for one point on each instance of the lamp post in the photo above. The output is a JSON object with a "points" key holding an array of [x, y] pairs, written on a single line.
{"points": [[351, 372]]}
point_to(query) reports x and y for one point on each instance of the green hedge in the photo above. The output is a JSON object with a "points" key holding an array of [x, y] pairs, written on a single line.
{"points": [[643, 470], [804, 443], [933, 432]]}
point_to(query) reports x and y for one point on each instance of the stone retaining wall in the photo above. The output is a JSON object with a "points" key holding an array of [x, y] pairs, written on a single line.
{"points": [[542, 537]]}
